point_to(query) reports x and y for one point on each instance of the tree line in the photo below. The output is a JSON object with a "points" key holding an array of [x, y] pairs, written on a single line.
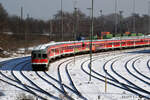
{"points": [[73, 22]]}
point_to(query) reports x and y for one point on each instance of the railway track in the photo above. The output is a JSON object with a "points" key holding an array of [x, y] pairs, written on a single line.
{"points": [[148, 65], [140, 73], [137, 77], [64, 82], [112, 79], [70, 80], [17, 81], [63, 86], [29, 88], [128, 81], [38, 87], [33, 88], [59, 90], [57, 81]]}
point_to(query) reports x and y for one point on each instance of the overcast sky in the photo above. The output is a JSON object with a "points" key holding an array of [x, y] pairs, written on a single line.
{"points": [[44, 9]]}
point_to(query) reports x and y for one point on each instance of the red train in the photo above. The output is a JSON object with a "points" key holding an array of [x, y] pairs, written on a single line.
{"points": [[43, 54]]}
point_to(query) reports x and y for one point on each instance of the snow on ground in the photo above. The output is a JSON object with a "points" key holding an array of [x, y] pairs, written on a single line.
{"points": [[91, 90]]}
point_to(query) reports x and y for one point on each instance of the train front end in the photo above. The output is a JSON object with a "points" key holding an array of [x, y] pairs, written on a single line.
{"points": [[40, 60]]}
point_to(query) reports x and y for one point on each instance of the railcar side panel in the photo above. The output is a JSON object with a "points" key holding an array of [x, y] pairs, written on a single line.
{"points": [[42, 57]]}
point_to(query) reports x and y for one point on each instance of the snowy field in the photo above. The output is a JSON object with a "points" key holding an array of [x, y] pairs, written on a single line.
{"points": [[116, 75]]}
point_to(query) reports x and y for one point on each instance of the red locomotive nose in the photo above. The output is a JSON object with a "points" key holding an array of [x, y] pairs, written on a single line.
{"points": [[35, 60], [43, 60], [39, 60]]}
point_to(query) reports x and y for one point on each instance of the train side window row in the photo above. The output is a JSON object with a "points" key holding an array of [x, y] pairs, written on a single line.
{"points": [[67, 47], [39, 56]]}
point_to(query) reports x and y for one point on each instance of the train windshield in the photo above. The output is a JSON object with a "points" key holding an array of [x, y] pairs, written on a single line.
{"points": [[39, 55], [44, 55], [33, 56]]}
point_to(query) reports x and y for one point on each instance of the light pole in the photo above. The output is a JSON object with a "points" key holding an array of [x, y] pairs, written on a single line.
{"points": [[21, 29], [75, 30], [75, 26], [133, 15], [91, 40], [101, 12], [116, 16], [90, 14], [50, 28], [149, 17], [121, 21], [121, 25], [27, 34], [76, 19], [62, 26], [101, 20]]}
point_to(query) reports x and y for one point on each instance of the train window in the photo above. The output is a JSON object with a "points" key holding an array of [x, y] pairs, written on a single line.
{"points": [[63, 48], [122, 42], [110, 43], [71, 47], [116, 43], [68, 47], [39, 55], [33, 55], [83, 44], [44, 55], [52, 50], [57, 50], [78, 46], [87, 45]]}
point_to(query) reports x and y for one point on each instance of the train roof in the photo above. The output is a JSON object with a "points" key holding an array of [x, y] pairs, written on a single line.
{"points": [[44, 46]]}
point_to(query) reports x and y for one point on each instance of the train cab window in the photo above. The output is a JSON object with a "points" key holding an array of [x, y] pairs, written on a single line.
{"points": [[83, 44], [44, 55], [57, 50], [39, 55], [52, 50], [33, 56]]}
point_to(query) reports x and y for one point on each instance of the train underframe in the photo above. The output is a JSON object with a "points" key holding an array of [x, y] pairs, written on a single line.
{"points": [[40, 67]]}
